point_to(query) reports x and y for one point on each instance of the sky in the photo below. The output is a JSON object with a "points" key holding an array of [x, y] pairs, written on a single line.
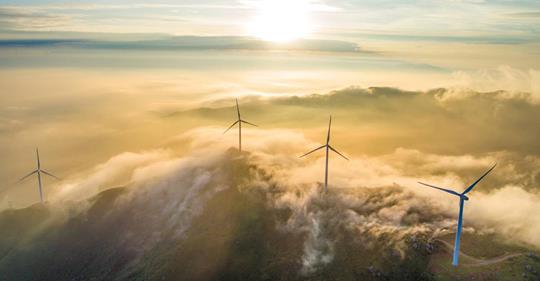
{"points": [[87, 81], [438, 20]]}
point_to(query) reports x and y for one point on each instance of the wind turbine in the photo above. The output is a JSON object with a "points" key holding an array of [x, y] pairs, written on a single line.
{"points": [[462, 199], [39, 171], [328, 147], [239, 121]]}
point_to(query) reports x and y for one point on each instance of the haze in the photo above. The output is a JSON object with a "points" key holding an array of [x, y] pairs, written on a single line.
{"points": [[434, 90]]}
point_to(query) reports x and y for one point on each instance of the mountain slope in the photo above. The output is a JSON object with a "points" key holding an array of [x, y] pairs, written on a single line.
{"points": [[229, 220]]}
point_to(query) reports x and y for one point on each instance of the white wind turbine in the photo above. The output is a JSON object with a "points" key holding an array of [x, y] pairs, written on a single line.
{"points": [[239, 121], [462, 199], [39, 171], [328, 147]]}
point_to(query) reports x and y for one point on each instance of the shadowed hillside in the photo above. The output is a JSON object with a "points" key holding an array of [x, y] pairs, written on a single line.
{"points": [[228, 225]]}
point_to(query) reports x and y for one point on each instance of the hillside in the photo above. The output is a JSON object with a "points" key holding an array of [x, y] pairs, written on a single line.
{"points": [[235, 232]]}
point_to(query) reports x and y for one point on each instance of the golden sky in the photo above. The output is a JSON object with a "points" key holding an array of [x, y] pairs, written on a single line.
{"points": [[88, 81]]}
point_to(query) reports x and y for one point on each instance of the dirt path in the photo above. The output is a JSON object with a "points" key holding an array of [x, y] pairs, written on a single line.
{"points": [[480, 262]]}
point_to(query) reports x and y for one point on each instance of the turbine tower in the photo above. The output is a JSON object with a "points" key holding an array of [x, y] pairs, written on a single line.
{"points": [[328, 147], [462, 198], [39, 171], [239, 121]]}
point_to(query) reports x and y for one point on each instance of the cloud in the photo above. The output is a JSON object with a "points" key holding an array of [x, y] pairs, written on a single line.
{"points": [[318, 251], [101, 6], [116, 171], [177, 193], [189, 43], [367, 122], [529, 15], [379, 119], [374, 198], [512, 212], [21, 18], [389, 175], [468, 1], [469, 39], [519, 83], [310, 5]]}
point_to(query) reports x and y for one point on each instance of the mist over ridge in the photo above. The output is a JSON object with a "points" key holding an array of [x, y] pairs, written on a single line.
{"points": [[269, 140], [261, 213]]}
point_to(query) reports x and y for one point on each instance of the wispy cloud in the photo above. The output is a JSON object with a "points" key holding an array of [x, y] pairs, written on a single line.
{"points": [[379, 202], [459, 19], [31, 19], [102, 6], [533, 15], [190, 43]]}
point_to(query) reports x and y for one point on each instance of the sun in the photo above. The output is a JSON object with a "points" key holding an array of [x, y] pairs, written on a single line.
{"points": [[280, 20]]}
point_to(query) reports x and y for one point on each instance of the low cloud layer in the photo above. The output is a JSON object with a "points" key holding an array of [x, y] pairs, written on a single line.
{"points": [[373, 198], [443, 121], [410, 129]]}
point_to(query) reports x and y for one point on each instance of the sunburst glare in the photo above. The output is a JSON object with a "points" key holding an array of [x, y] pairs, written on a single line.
{"points": [[281, 20]]}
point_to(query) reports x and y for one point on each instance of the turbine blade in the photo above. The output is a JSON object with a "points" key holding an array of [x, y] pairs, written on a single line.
{"points": [[313, 150], [31, 173], [248, 123], [443, 189], [37, 157], [328, 135], [231, 126], [237, 109], [49, 174], [478, 180], [337, 152]]}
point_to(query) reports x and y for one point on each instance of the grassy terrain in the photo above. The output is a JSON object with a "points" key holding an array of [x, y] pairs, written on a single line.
{"points": [[523, 267]]}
